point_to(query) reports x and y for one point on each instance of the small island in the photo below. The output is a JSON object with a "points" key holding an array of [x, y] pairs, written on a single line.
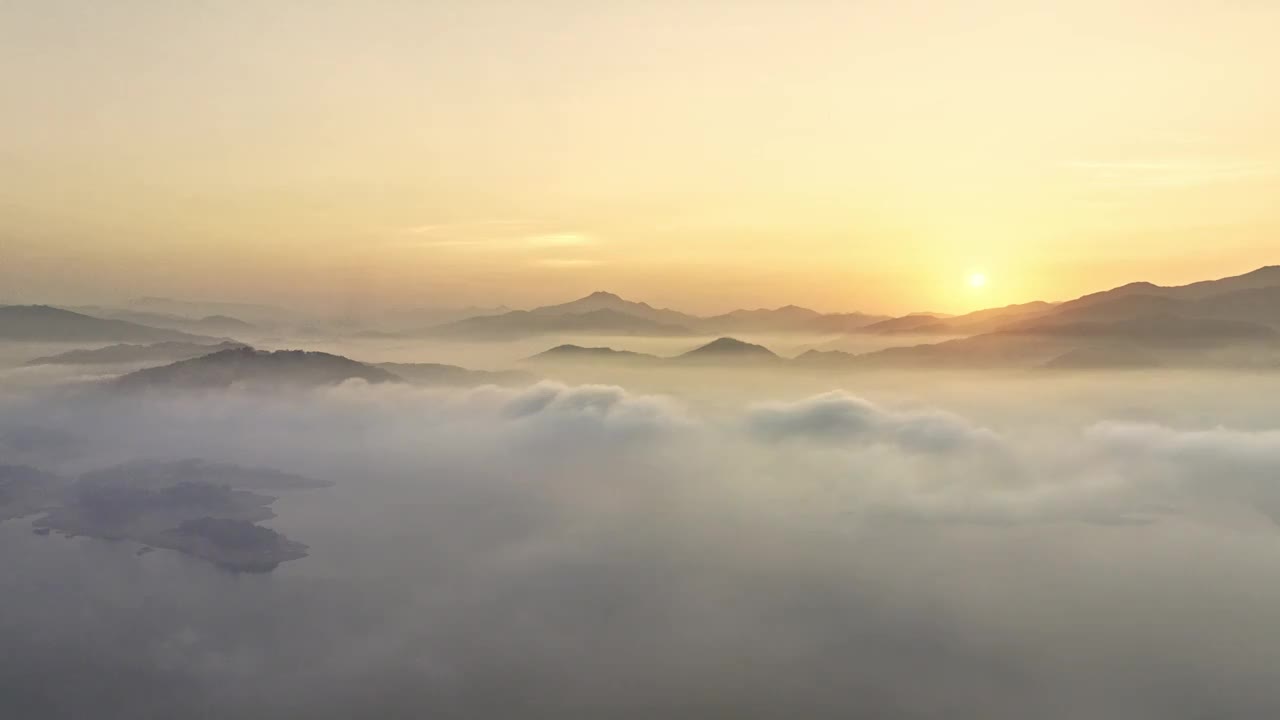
{"points": [[191, 506], [233, 544]]}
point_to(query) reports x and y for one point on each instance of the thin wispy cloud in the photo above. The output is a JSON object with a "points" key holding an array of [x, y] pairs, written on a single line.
{"points": [[453, 227], [1170, 173], [567, 263], [491, 235], [443, 243], [559, 240]]}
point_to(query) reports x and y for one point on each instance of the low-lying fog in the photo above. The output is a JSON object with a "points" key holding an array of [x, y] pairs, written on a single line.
{"points": [[504, 353], [681, 543]]}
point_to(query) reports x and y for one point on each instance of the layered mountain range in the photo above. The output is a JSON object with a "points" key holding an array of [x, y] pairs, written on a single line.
{"points": [[1250, 298], [43, 323], [603, 313], [1230, 322], [247, 367]]}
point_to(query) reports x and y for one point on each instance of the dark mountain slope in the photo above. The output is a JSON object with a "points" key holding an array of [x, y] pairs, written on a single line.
{"points": [[788, 319], [579, 354], [246, 366], [727, 350], [1164, 338], [112, 354], [523, 323], [608, 301], [436, 374], [42, 323]]}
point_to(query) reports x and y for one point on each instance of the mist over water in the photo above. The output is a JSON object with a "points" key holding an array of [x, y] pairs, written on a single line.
{"points": [[745, 544], [474, 359]]}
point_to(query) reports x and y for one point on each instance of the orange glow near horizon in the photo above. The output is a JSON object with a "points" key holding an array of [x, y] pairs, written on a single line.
{"points": [[706, 156]]}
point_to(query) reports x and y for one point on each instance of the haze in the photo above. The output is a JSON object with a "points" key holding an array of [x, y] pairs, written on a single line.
{"points": [[709, 155], [895, 360]]}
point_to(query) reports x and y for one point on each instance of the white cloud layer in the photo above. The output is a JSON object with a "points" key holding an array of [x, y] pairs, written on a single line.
{"points": [[841, 417], [585, 551]]}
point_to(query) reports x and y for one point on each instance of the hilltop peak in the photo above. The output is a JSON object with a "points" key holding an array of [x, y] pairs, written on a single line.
{"points": [[1264, 270], [728, 343], [727, 347], [578, 352], [604, 300], [245, 365], [53, 324]]}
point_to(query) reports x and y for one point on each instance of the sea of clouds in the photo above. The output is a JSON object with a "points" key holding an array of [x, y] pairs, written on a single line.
{"points": [[586, 551]]}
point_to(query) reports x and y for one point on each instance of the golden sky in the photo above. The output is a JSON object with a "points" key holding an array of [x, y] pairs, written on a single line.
{"points": [[866, 154]]}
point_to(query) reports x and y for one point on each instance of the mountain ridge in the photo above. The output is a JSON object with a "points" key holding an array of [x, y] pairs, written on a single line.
{"points": [[125, 353], [247, 366], [46, 323]]}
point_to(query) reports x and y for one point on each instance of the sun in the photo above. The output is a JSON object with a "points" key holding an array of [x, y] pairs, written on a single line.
{"points": [[977, 280]]}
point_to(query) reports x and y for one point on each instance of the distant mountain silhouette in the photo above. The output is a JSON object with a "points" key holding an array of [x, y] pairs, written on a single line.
{"points": [[166, 321], [526, 323], [43, 323], [981, 321], [1264, 277], [786, 315], [723, 351], [211, 324], [113, 354], [824, 358], [578, 354], [1143, 342], [377, 335], [1105, 309], [1103, 357], [969, 324], [1253, 305], [905, 324], [1252, 297], [402, 320], [1166, 339], [990, 350], [788, 319], [222, 324], [1150, 328], [1260, 305], [601, 300], [246, 366], [1147, 341], [729, 350], [435, 374], [604, 313], [1230, 322], [257, 314]]}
